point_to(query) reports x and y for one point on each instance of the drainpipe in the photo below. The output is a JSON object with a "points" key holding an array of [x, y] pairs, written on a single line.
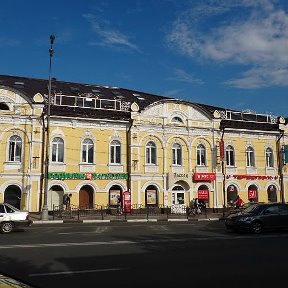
{"points": [[41, 184], [128, 153], [280, 165], [223, 173]]}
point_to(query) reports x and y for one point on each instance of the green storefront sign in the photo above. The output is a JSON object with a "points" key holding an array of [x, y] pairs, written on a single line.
{"points": [[85, 176]]}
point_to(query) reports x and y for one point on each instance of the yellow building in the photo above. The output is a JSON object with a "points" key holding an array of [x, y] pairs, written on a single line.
{"points": [[104, 141]]}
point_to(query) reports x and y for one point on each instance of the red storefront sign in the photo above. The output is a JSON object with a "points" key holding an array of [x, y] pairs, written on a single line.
{"points": [[126, 201], [203, 194], [252, 194], [204, 176], [222, 150]]}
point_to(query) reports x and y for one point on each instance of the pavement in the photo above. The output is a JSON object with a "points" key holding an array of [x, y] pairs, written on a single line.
{"points": [[7, 282], [210, 216]]}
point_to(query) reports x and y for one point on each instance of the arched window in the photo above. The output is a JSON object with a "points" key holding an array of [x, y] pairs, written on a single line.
{"points": [[3, 106], [115, 152], [230, 156], [151, 196], [177, 119], [150, 153], [15, 149], [176, 154], [269, 158], [87, 151], [231, 194], [250, 157], [253, 193], [201, 155], [272, 194], [57, 149]]}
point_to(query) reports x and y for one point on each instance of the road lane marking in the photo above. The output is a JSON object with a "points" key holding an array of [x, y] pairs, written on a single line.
{"points": [[73, 272], [97, 231], [66, 244], [124, 242]]}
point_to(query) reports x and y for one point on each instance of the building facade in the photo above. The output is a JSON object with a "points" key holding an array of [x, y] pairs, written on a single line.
{"points": [[104, 141]]}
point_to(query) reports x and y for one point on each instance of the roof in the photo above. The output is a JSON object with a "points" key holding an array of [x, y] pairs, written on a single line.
{"points": [[106, 102]]}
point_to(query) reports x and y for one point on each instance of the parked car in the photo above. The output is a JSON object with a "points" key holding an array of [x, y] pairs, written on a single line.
{"points": [[11, 218], [234, 210], [259, 217]]}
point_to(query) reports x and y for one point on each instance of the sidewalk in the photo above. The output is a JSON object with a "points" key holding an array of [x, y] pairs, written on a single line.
{"points": [[8, 282], [36, 218]]}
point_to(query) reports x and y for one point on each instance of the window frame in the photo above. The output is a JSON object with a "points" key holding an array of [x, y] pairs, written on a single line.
{"points": [[115, 152], [15, 149], [177, 154], [87, 156], [250, 157], [57, 150], [201, 159], [151, 153], [269, 158], [230, 156]]}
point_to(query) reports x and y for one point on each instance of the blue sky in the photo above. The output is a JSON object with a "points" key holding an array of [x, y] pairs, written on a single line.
{"points": [[227, 53]]}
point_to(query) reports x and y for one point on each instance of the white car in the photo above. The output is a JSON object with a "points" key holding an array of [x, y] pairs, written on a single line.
{"points": [[11, 218]]}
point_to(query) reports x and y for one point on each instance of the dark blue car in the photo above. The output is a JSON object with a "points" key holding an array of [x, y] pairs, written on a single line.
{"points": [[259, 217]]}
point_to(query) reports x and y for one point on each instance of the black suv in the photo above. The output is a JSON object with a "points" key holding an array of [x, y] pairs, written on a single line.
{"points": [[259, 217]]}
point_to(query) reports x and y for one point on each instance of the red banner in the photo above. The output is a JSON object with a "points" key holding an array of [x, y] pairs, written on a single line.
{"points": [[222, 150], [204, 176], [126, 201], [203, 194], [252, 194]]}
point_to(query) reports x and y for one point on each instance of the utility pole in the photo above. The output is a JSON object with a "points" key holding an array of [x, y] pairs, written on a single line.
{"points": [[44, 215]]}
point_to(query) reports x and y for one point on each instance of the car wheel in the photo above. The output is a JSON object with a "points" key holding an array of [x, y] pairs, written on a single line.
{"points": [[7, 227], [257, 227]]}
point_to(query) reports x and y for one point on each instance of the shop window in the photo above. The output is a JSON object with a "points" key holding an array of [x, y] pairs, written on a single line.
{"points": [[151, 197], [231, 194], [252, 193], [272, 195], [114, 192]]}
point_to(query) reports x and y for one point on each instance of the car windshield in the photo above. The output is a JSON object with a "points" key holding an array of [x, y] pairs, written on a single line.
{"points": [[250, 208], [12, 207]]}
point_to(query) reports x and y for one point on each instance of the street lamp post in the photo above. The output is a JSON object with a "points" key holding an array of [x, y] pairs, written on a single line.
{"points": [[44, 215]]}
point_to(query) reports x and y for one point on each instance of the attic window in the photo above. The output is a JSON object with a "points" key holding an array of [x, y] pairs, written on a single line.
{"points": [[18, 83], [177, 119], [74, 89], [117, 93], [96, 91], [138, 96], [4, 106]]}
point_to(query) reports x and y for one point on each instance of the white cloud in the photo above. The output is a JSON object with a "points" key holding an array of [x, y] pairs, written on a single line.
{"points": [[9, 42], [106, 35], [260, 77], [181, 75], [248, 33], [172, 93]]}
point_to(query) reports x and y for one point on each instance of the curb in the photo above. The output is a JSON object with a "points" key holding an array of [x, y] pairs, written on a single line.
{"points": [[121, 220]]}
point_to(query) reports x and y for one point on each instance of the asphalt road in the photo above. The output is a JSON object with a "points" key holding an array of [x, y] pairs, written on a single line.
{"points": [[140, 254]]}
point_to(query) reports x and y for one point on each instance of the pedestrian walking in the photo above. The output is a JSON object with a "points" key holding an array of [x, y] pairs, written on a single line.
{"points": [[119, 205], [238, 202]]}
